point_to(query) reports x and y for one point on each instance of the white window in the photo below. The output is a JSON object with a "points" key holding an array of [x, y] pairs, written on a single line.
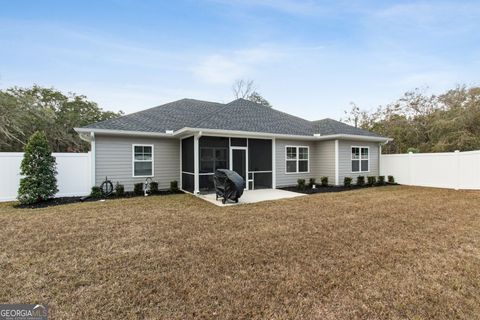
{"points": [[296, 159], [360, 159], [142, 160]]}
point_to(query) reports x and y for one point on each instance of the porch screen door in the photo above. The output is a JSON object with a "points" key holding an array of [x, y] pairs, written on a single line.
{"points": [[239, 162]]}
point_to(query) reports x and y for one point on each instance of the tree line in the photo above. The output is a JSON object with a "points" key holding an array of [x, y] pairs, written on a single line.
{"points": [[422, 122], [24, 111]]}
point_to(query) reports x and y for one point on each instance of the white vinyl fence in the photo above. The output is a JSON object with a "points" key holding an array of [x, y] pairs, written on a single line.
{"points": [[455, 170], [73, 177]]}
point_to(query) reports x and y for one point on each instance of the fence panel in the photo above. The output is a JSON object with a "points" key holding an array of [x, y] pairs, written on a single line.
{"points": [[73, 177], [457, 170]]}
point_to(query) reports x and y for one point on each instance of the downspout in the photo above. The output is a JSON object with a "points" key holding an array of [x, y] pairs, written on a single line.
{"points": [[337, 175], [92, 158]]}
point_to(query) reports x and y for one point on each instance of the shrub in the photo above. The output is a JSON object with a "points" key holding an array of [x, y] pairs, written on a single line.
{"points": [[119, 190], [347, 182], [311, 182], [39, 169], [371, 180], [138, 188], [301, 184], [391, 179], [360, 181], [381, 180], [324, 181], [174, 186], [153, 187], [413, 150], [96, 192]]}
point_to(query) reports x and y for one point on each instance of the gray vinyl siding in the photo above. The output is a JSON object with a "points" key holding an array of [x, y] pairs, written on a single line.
{"points": [[289, 179], [113, 159], [324, 165], [345, 159]]}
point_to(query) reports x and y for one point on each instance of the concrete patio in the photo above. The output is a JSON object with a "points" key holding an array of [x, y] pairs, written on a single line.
{"points": [[253, 196]]}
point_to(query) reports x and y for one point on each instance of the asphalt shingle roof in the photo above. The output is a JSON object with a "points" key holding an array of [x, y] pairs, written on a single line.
{"points": [[238, 115], [329, 126]]}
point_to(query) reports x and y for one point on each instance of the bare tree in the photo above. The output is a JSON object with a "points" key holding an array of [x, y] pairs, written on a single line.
{"points": [[243, 88]]}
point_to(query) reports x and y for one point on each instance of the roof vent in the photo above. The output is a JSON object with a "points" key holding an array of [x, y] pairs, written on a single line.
{"points": [[317, 135], [169, 131]]}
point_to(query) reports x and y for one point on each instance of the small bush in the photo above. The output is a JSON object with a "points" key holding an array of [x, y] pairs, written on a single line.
{"points": [[138, 188], [153, 187], [347, 182], [119, 190], [311, 183], [174, 186], [301, 184], [96, 192], [324, 181], [391, 179], [381, 180], [360, 181], [371, 180]]}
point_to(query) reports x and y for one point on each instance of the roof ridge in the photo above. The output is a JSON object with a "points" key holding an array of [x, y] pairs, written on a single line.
{"points": [[209, 115]]}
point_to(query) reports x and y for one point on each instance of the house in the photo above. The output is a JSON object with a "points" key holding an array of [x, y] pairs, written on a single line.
{"points": [[187, 140]]}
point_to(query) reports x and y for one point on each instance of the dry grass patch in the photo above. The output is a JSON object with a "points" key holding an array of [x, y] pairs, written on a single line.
{"points": [[394, 252]]}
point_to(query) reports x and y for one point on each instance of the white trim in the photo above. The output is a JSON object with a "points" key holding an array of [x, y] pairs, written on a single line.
{"points": [[196, 163], [93, 162], [360, 159], [297, 159], [126, 132], [233, 133], [337, 164], [246, 161], [274, 163], [181, 175], [152, 161]]}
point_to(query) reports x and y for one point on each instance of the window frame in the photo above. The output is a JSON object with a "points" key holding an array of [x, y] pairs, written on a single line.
{"points": [[297, 159], [359, 159], [152, 160]]}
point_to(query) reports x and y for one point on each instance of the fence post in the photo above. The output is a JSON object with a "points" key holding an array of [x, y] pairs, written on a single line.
{"points": [[410, 159], [457, 169]]}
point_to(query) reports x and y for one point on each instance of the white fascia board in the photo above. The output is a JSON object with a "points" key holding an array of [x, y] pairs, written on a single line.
{"points": [[232, 133], [354, 137], [241, 134], [125, 132]]}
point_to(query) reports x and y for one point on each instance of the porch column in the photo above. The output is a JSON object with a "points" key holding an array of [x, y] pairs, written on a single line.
{"points": [[196, 171], [274, 165]]}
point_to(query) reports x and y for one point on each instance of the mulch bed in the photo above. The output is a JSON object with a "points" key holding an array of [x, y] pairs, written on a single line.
{"points": [[68, 200], [328, 189]]}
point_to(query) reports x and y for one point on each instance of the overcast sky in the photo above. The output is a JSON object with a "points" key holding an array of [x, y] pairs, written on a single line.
{"points": [[308, 58]]}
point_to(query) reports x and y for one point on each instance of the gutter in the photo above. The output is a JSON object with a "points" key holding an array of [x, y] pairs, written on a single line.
{"points": [[232, 133]]}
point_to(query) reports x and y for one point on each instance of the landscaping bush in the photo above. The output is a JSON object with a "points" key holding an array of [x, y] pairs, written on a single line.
{"points": [[39, 169], [381, 180], [391, 179], [324, 181], [96, 192], [119, 190], [360, 181], [371, 180], [174, 186], [153, 187], [138, 188], [347, 182], [301, 184], [311, 183]]}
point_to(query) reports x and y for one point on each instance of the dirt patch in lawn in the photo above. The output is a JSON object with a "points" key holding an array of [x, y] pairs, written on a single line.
{"points": [[394, 252]]}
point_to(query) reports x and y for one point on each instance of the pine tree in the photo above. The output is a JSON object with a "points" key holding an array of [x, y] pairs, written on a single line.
{"points": [[39, 169]]}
